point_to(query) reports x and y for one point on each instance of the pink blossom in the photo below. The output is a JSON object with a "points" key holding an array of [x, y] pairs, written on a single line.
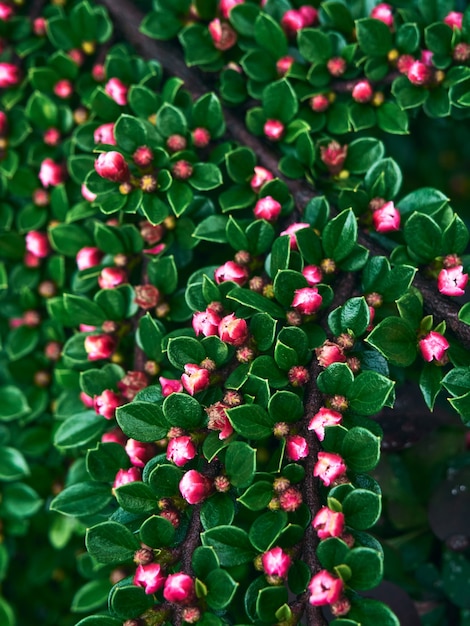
{"points": [[9, 75], [452, 281], [39, 26], [324, 588], [155, 249], [77, 56], [454, 19], [222, 34], [225, 6], [328, 523], [260, 177], [290, 499], [3, 123], [309, 15], [333, 156], [88, 257], [105, 134], [179, 588], [87, 194], [126, 476], [296, 447], [170, 385], [336, 66], [86, 399], [52, 136], [63, 89], [329, 467], [231, 271], [38, 244], [99, 347], [267, 208], [405, 61], [194, 487], [114, 436], [274, 130], [201, 137], [117, 90], [111, 277], [182, 169], [383, 12], [206, 323], [426, 57], [284, 64], [419, 73], [112, 166], [319, 103], [387, 218], [6, 11], [51, 173], [146, 296], [362, 92], [291, 230], [180, 450], [195, 378], [218, 419], [292, 21], [276, 562], [306, 300], [106, 403], [139, 453], [150, 577], [329, 353], [233, 330], [313, 274], [132, 383], [324, 417], [143, 156], [433, 346]]}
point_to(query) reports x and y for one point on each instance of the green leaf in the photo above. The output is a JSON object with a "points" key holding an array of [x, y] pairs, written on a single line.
{"points": [[157, 531], [136, 497], [366, 568], [184, 350], [269, 601], [285, 406], [280, 102], [337, 378], [263, 329], [360, 449], [207, 113], [213, 228], [79, 430], [314, 45], [13, 465], [363, 153], [83, 311], [164, 480], [396, 340], [367, 611], [127, 601], [339, 236], [430, 383], [111, 543], [256, 301], [270, 36], [82, 499], [384, 179], [104, 461], [251, 421], [361, 508], [265, 530], [373, 36], [218, 510], [14, 404], [332, 552], [455, 574], [220, 589], [163, 274], [99, 620], [143, 421], [231, 544], [257, 496], [240, 463], [423, 237], [21, 341], [206, 176], [392, 119], [92, 595], [438, 38], [204, 560], [182, 410], [370, 392], [130, 132], [240, 164]]}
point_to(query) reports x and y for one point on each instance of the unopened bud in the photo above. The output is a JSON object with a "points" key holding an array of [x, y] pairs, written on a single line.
{"points": [[328, 266], [222, 484]]}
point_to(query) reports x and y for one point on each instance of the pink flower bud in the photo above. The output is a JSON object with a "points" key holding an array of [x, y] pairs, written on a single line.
{"points": [[324, 417], [180, 450], [111, 277], [39, 26], [117, 90], [333, 156], [107, 403], [51, 137], [329, 353], [99, 347], [143, 156], [155, 249], [433, 346], [319, 103], [231, 271], [179, 588], [362, 92], [87, 194], [112, 166], [206, 323], [324, 588], [291, 230], [3, 124], [328, 523], [139, 453], [274, 130], [151, 233], [146, 296], [284, 64], [336, 66], [86, 399], [38, 244], [150, 577], [98, 72], [329, 467], [296, 447], [383, 12], [225, 6], [267, 208], [63, 89], [195, 378], [426, 57], [126, 476], [77, 56], [292, 21], [169, 386], [419, 73], [194, 487], [233, 330], [114, 436], [276, 562], [132, 383], [9, 75], [6, 11], [405, 61], [51, 173], [461, 52], [387, 218], [223, 35], [105, 134], [88, 257], [307, 300], [201, 137], [260, 177], [452, 281], [290, 499], [313, 274], [182, 170], [454, 19], [218, 420]]}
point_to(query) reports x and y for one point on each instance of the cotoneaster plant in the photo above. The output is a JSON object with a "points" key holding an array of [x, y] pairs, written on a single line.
{"points": [[206, 308]]}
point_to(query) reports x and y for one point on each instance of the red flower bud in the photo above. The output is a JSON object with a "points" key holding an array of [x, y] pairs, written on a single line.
{"points": [[150, 577], [328, 523], [267, 208], [313, 274], [291, 230], [124, 477], [336, 66], [105, 134], [260, 177], [284, 64], [274, 130], [132, 383], [51, 173], [324, 588], [9, 75], [194, 487], [218, 420], [306, 300], [454, 19], [87, 194], [51, 137], [182, 170], [329, 353], [107, 403], [276, 562], [319, 103], [99, 346], [146, 296], [333, 156], [329, 467], [117, 90], [201, 137], [383, 12], [225, 6], [88, 257], [233, 330], [179, 588], [231, 271], [63, 89], [292, 21], [362, 92], [290, 499], [419, 73], [111, 277], [181, 450], [139, 453], [223, 35], [112, 166], [37, 243], [452, 281], [143, 156], [98, 72], [195, 378]]}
